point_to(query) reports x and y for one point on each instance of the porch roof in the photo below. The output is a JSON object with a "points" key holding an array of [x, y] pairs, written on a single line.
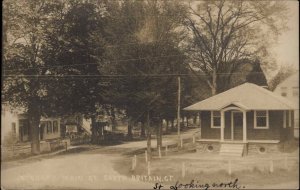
{"points": [[247, 96]]}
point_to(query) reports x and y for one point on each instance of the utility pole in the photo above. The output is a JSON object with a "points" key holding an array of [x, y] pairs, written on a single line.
{"points": [[178, 110], [148, 137]]}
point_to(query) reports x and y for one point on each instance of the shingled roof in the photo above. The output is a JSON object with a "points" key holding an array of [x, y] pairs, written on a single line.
{"points": [[247, 96]]}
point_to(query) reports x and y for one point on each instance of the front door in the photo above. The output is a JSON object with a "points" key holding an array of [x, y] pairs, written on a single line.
{"points": [[237, 126]]}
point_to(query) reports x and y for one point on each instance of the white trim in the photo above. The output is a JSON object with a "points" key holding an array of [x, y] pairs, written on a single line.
{"points": [[222, 125], [232, 133], [244, 126], [212, 120], [233, 108], [237, 104], [290, 118], [267, 122], [284, 119]]}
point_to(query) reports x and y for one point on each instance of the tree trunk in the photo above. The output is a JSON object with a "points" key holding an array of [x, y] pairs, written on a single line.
{"points": [[129, 132], [172, 125], [195, 120], [34, 117], [167, 127], [143, 134], [113, 118], [159, 134], [214, 83], [94, 130], [187, 121], [148, 137]]}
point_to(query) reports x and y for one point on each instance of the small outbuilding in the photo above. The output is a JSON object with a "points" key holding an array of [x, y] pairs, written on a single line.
{"points": [[246, 118]]}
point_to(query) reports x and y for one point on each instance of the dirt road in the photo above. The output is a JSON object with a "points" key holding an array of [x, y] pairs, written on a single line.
{"points": [[89, 169], [86, 170]]}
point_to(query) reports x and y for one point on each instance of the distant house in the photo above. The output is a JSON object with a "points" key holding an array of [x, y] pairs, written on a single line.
{"points": [[16, 134], [289, 89], [75, 124], [15, 126], [244, 119]]}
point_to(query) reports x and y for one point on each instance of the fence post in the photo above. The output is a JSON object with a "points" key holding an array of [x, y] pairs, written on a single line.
{"points": [[148, 168], [271, 166], [133, 162], [146, 156], [66, 143], [166, 150], [285, 162], [183, 169], [229, 167], [181, 142], [159, 152]]}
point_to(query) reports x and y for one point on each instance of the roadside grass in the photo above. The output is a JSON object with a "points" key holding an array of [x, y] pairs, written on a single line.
{"points": [[254, 171]]}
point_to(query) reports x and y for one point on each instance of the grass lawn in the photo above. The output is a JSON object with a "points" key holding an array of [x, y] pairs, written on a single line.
{"points": [[208, 168]]}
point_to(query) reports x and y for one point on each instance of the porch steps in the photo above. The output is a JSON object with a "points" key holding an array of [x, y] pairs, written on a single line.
{"points": [[235, 150]]}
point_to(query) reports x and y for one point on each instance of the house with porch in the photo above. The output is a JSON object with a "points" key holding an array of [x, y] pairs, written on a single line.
{"points": [[15, 125], [246, 119], [16, 133]]}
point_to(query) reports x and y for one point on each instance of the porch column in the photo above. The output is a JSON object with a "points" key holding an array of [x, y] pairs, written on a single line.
{"points": [[244, 126], [222, 125]]}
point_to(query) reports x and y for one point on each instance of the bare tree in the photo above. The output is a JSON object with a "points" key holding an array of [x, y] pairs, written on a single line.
{"points": [[226, 32]]}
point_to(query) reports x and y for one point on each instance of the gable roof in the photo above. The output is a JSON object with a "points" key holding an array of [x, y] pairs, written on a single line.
{"points": [[247, 96], [291, 81]]}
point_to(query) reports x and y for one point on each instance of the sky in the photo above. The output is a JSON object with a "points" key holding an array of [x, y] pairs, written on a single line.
{"points": [[287, 49]]}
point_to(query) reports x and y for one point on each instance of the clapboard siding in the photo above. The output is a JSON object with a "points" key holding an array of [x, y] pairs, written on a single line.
{"points": [[275, 131]]}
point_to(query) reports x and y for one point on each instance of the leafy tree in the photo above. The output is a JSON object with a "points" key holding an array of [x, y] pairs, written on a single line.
{"points": [[26, 25], [51, 50], [78, 62], [226, 32], [146, 50]]}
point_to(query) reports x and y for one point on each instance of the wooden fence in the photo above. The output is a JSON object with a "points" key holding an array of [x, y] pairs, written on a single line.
{"points": [[230, 165], [80, 140], [17, 150], [24, 149]]}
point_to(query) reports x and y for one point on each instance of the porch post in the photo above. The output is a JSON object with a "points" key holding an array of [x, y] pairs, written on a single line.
{"points": [[244, 126], [222, 125]]}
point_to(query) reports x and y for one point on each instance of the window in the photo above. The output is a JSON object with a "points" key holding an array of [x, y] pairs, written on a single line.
{"points": [[295, 91], [24, 126], [49, 127], [284, 91], [215, 119], [261, 119], [55, 126], [13, 128]]}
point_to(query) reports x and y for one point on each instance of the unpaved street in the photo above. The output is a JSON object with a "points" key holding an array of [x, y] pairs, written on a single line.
{"points": [[89, 169], [85, 170]]}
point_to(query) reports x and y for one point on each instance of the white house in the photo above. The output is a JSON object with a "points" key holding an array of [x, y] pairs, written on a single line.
{"points": [[289, 89], [15, 126]]}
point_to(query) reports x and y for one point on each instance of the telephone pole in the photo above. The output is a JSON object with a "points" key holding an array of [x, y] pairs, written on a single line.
{"points": [[178, 110]]}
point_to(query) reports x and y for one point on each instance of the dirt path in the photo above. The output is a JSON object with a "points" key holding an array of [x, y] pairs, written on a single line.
{"points": [[88, 170]]}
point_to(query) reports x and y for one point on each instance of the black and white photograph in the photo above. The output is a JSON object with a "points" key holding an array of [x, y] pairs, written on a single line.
{"points": [[150, 94]]}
